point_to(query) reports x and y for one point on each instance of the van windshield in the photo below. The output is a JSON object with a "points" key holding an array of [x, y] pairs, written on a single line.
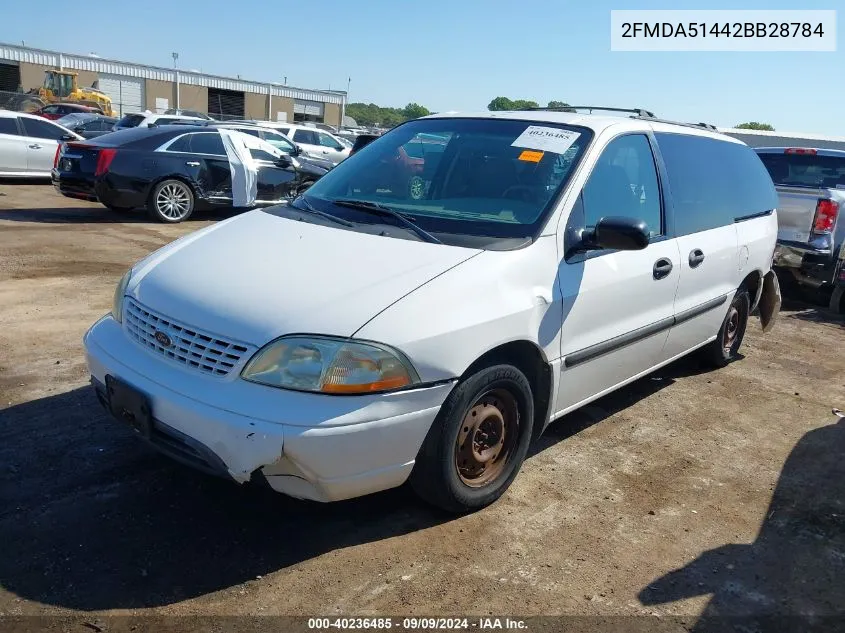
{"points": [[484, 178], [805, 170]]}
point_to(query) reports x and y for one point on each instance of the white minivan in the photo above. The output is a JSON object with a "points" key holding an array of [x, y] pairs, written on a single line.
{"points": [[429, 306]]}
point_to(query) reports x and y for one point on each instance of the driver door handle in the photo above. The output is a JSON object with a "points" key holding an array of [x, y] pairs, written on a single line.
{"points": [[192, 163], [696, 256], [35, 146], [662, 268]]}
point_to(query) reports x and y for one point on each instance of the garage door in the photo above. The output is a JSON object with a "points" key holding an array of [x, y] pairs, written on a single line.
{"points": [[10, 77], [127, 93]]}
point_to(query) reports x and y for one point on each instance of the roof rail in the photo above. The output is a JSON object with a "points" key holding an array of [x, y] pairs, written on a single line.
{"points": [[640, 112], [706, 126]]}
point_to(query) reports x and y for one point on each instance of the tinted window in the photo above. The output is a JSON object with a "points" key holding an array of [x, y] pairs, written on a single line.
{"points": [[8, 125], [182, 144], [305, 136], [713, 182], [624, 183], [259, 154], [805, 170], [131, 120], [285, 131], [40, 128], [207, 144], [328, 141], [250, 131], [52, 109]]}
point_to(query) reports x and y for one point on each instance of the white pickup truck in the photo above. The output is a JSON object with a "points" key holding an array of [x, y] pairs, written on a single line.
{"points": [[811, 232]]}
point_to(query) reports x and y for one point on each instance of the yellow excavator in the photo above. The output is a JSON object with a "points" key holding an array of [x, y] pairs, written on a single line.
{"points": [[61, 86]]}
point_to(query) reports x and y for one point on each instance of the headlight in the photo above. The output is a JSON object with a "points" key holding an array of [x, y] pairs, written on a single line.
{"points": [[117, 302], [330, 365]]}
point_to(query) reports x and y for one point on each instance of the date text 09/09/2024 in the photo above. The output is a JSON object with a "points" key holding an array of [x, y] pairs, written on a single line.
{"points": [[417, 624], [735, 29]]}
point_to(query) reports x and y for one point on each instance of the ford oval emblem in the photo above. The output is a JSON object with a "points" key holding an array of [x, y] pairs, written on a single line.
{"points": [[163, 339]]}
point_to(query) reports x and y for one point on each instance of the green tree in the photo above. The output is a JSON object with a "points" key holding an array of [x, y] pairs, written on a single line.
{"points": [[414, 111], [500, 103], [525, 104], [753, 125], [557, 104]]}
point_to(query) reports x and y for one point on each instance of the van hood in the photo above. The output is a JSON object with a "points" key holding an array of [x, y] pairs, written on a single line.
{"points": [[259, 276]]}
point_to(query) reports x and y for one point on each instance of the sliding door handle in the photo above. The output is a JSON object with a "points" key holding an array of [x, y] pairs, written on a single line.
{"points": [[696, 257]]}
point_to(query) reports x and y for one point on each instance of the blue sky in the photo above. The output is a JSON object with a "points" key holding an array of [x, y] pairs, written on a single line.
{"points": [[456, 54]]}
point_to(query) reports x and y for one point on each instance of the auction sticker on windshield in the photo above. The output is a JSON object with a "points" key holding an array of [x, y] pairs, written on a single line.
{"points": [[547, 139]]}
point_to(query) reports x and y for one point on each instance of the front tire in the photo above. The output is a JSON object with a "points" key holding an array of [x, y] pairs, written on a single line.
{"points": [[478, 441], [725, 349], [171, 201]]}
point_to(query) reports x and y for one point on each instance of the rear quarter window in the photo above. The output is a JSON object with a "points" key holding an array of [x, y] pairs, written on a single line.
{"points": [[8, 125], [712, 182], [131, 120]]}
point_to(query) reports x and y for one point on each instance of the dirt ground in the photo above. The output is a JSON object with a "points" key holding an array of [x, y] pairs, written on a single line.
{"points": [[689, 492]]}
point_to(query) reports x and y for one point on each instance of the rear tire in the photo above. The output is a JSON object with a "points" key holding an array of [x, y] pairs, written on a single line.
{"points": [[478, 441], [837, 300], [171, 201], [725, 349]]}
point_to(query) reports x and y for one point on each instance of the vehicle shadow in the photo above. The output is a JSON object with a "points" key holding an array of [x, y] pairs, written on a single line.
{"points": [[599, 410], [99, 214], [796, 565], [92, 519]]}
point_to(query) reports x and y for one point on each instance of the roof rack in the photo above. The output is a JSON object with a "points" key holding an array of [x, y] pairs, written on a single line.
{"points": [[705, 126], [640, 112]]}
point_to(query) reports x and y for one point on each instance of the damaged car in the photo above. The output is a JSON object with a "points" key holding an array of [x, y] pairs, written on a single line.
{"points": [[174, 169], [427, 328]]}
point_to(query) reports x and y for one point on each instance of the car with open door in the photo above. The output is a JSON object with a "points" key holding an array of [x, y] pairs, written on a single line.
{"points": [[28, 144], [371, 333], [174, 169]]}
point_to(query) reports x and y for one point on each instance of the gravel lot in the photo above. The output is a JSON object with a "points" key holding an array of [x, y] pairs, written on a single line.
{"points": [[688, 491]]}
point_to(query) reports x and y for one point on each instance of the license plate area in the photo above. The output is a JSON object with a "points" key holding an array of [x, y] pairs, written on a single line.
{"points": [[129, 405]]}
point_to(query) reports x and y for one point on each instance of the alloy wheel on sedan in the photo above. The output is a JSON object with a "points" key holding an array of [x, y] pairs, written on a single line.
{"points": [[171, 201]]}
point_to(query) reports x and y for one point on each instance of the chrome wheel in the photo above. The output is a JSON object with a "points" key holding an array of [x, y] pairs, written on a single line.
{"points": [[173, 201], [486, 438]]}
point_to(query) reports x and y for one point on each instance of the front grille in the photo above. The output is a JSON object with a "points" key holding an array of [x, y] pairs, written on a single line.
{"points": [[204, 352]]}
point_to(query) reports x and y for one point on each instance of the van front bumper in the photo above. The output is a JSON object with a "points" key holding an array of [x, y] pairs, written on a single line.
{"points": [[306, 445]]}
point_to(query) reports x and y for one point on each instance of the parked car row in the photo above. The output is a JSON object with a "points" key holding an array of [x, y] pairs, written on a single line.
{"points": [[173, 169]]}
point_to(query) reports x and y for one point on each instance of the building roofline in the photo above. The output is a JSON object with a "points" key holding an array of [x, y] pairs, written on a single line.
{"points": [[73, 61]]}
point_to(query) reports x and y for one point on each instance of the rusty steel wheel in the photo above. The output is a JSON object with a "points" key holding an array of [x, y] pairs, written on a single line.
{"points": [[725, 348], [475, 447], [486, 438], [731, 329]]}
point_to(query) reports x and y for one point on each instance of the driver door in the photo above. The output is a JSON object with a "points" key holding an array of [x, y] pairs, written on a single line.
{"points": [[618, 306], [275, 182]]}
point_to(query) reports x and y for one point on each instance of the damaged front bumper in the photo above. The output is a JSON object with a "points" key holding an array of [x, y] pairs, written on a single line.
{"points": [[306, 445]]}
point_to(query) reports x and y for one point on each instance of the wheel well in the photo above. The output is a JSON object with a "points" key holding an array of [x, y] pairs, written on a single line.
{"points": [[155, 183], [752, 283], [529, 359]]}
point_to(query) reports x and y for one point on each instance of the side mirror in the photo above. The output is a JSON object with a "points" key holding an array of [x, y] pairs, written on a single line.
{"points": [[616, 233], [297, 150], [284, 161]]}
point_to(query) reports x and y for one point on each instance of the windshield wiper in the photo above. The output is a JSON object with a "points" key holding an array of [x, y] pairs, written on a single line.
{"points": [[328, 216], [380, 209]]}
